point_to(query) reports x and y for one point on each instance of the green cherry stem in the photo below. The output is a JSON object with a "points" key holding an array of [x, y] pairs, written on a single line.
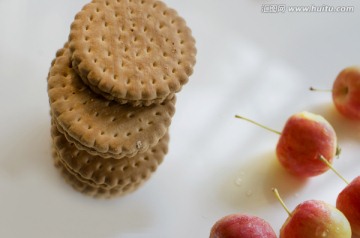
{"points": [[276, 192], [320, 90], [258, 124], [322, 158]]}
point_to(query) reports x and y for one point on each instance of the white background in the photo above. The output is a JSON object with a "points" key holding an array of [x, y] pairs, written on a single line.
{"points": [[256, 64]]}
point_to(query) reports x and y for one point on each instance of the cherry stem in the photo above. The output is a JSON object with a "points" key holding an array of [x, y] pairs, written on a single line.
{"points": [[258, 124], [333, 169], [320, 90], [276, 192]]}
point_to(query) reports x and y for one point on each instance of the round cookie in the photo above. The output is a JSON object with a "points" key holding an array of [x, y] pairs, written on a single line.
{"points": [[133, 51], [108, 173], [98, 125], [89, 190]]}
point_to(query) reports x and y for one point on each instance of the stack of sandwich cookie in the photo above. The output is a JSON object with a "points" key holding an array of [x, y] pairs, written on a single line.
{"points": [[112, 93]]}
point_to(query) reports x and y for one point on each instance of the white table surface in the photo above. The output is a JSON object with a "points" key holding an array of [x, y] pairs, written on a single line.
{"points": [[256, 64]]}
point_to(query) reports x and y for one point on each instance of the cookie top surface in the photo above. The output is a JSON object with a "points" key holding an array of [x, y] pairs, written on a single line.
{"points": [[132, 49], [99, 124], [109, 173]]}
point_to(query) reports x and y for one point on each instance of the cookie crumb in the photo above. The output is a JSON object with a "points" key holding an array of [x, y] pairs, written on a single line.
{"points": [[138, 145]]}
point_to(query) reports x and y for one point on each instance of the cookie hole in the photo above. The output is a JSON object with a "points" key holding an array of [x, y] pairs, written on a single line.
{"points": [[126, 49], [145, 29], [89, 50], [181, 52], [112, 169], [153, 81], [87, 161], [182, 42], [150, 123], [133, 25], [151, 39], [137, 54], [179, 62], [165, 54], [102, 38], [172, 21], [148, 49], [155, 64], [120, 182], [146, 158], [148, 16], [131, 11], [155, 5], [131, 115], [107, 3], [144, 176], [95, 60], [135, 39], [84, 103], [122, 64], [113, 119], [89, 127], [106, 24], [166, 39], [87, 27], [142, 2], [173, 71], [64, 85], [158, 114], [153, 168], [66, 98], [109, 54], [91, 18], [127, 81], [179, 31], [79, 119], [139, 69], [125, 168], [102, 133], [71, 109], [104, 70], [100, 166], [116, 77], [140, 129], [97, 9], [164, 13], [86, 38], [142, 82], [116, 14], [161, 26], [116, 135]]}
